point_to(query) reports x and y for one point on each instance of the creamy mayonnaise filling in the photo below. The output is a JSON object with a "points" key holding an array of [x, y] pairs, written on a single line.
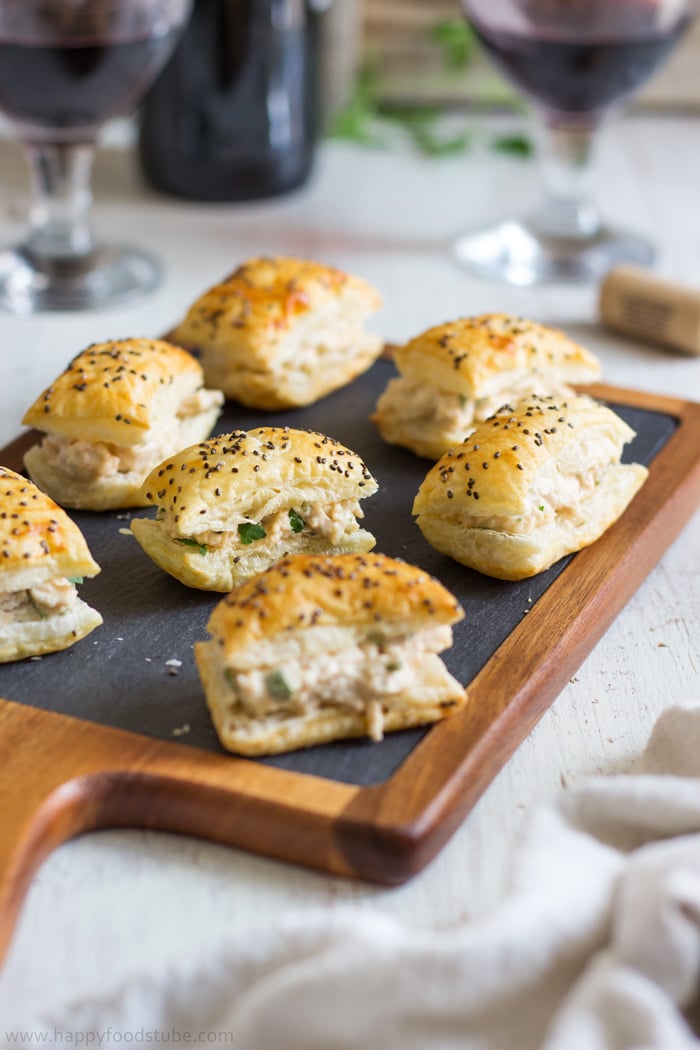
{"points": [[431, 405], [330, 520], [357, 678], [50, 598], [514, 389], [556, 495], [87, 460], [424, 403]]}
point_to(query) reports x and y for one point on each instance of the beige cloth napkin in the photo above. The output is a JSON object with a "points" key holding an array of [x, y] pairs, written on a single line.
{"points": [[597, 947]]}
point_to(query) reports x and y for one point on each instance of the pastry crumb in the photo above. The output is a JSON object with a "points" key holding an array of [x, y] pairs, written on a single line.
{"points": [[182, 730]]}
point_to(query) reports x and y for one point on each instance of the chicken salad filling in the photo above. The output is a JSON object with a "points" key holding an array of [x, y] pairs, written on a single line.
{"points": [[362, 678], [50, 598], [332, 521], [454, 413], [556, 496], [421, 402], [88, 461]]}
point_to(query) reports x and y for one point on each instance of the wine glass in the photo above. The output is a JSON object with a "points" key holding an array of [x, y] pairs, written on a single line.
{"points": [[66, 66], [575, 59]]}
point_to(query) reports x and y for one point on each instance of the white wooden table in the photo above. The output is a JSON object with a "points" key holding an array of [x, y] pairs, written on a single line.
{"points": [[120, 902]]}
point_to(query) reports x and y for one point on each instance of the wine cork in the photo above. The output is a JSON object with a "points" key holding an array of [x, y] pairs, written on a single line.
{"points": [[640, 304]]}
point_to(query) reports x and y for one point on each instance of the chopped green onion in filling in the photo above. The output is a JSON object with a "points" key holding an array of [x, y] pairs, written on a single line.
{"points": [[199, 547], [74, 579], [296, 521], [277, 686], [250, 531]]}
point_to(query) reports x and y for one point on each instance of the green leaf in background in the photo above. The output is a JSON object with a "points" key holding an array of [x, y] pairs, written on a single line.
{"points": [[355, 121], [516, 145], [367, 121], [422, 128], [456, 38]]}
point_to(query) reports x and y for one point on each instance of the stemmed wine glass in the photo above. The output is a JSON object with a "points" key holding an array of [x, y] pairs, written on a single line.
{"points": [[66, 66], [574, 59]]}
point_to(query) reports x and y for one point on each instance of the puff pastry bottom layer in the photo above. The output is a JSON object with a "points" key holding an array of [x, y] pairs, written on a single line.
{"points": [[223, 568], [48, 634]]}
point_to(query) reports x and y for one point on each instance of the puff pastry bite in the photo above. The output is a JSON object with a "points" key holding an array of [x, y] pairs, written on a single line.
{"points": [[231, 506], [534, 482], [320, 648], [118, 410], [282, 332], [453, 377], [42, 554]]}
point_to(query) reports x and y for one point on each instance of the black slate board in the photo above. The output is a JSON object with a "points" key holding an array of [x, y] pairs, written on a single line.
{"points": [[119, 675]]}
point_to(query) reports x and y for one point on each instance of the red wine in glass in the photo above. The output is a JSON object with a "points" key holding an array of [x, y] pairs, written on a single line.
{"points": [[62, 87], [583, 69], [66, 66], [575, 59]]}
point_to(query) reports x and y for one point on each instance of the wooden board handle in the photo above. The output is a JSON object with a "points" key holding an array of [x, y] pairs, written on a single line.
{"points": [[63, 776]]}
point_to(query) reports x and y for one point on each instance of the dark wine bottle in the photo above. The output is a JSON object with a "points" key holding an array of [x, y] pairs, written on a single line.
{"points": [[234, 114]]}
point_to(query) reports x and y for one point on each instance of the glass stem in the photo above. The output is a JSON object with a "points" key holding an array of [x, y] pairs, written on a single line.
{"points": [[567, 209], [59, 216]]}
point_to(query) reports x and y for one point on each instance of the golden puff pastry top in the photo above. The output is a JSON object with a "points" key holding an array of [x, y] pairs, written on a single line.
{"points": [[494, 470], [249, 474], [117, 391], [265, 298], [470, 355], [308, 591], [38, 541]]}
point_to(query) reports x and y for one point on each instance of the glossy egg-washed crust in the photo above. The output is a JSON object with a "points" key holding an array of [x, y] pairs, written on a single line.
{"points": [[239, 474], [463, 356], [239, 325], [112, 391], [493, 470], [346, 590], [38, 541]]}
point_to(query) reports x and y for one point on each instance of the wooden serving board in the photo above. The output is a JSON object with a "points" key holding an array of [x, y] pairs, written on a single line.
{"points": [[106, 734]]}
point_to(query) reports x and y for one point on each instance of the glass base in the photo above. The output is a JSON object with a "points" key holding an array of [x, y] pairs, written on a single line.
{"points": [[521, 253], [107, 276]]}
